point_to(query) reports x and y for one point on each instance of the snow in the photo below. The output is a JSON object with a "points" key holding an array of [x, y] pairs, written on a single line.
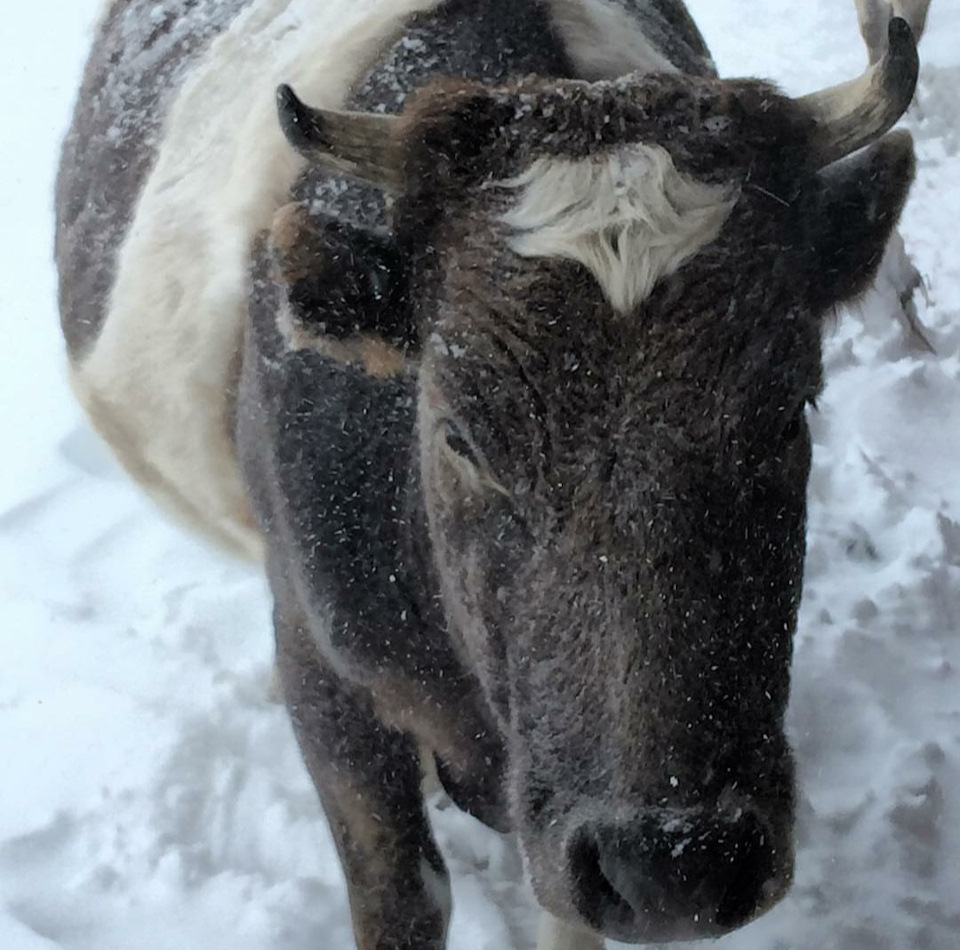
{"points": [[152, 796]]}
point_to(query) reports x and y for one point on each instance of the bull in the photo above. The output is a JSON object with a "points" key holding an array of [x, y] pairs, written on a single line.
{"points": [[497, 354]]}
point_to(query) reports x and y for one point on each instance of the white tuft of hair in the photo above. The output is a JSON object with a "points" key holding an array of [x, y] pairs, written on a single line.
{"points": [[630, 217]]}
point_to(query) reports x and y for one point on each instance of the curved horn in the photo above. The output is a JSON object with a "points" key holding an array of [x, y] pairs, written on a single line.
{"points": [[855, 113], [360, 144]]}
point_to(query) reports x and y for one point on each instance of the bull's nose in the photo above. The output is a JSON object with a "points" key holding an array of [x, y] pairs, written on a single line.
{"points": [[674, 875]]}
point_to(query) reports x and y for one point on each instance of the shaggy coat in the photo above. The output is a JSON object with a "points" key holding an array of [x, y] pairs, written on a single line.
{"points": [[502, 368]]}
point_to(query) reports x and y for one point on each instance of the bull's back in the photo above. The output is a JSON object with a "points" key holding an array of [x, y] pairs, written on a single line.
{"points": [[143, 48]]}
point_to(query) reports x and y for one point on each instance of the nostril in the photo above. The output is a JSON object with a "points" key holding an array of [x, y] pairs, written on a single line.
{"points": [[749, 873], [673, 875], [596, 897]]}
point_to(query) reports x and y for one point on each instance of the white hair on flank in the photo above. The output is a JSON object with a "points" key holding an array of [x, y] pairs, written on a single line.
{"points": [[159, 377], [629, 217]]}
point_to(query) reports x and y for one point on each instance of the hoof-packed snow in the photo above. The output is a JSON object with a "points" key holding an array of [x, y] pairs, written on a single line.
{"points": [[152, 796]]}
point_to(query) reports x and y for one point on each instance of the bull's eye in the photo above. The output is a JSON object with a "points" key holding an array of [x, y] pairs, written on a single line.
{"points": [[457, 442], [468, 467]]}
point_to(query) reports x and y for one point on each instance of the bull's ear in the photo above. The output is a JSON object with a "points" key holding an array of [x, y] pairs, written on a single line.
{"points": [[861, 200], [360, 144], [457, 123]]}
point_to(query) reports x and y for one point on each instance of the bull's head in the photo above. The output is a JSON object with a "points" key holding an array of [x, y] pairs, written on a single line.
{"points": [[622, 288]]}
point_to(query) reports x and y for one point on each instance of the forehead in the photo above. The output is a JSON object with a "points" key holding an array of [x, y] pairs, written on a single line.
{"points": [[710, 126], [628, 179], [628, 216], [583, 369], [713, 129], [636, 254]]}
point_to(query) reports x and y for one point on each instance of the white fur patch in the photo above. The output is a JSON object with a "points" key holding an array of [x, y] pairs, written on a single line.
{"points": [[629, 217], [158, 379], [604, 41]]}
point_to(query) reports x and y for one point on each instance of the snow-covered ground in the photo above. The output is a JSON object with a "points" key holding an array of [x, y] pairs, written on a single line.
{"points": [[151, 796]]}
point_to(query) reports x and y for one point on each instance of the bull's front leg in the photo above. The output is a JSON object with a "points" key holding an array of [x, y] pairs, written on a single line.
{"points": [[369, 781], [556, 935]]}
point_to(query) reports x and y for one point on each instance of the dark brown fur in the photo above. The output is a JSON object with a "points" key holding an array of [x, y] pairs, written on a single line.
{"points": [[554, 545], [610, 507]]}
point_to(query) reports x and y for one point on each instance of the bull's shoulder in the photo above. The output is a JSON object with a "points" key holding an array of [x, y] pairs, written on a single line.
{"points": [[490, 41]]}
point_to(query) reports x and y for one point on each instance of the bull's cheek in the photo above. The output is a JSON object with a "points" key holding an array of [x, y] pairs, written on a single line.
{"points": [[462, 589]]}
